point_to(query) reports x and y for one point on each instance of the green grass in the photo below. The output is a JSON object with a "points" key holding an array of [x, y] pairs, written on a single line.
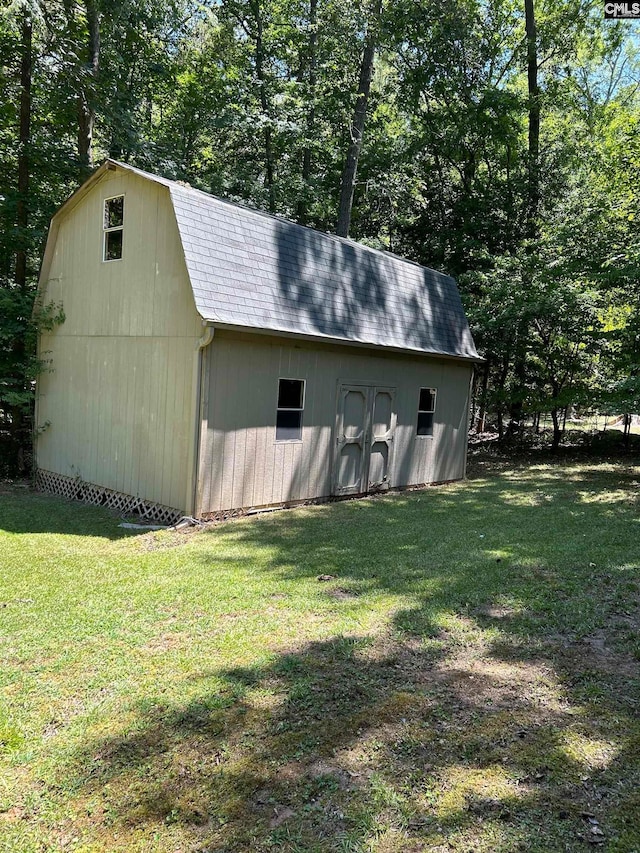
{"points": [[467, 681]]}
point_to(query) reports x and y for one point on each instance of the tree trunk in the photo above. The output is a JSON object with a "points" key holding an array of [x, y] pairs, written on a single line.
{"points": [[312, 64], [516, 408], [531, 212], [627, 431], [557, 430], [19, 430], [482, 415], [24, 138], [86, 94], [264, 106], [348, 182], [533, 166], [502, 378], [475, 382]]}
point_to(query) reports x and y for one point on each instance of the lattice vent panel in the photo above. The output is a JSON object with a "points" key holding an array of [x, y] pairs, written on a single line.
{"points": [[76, 489]]}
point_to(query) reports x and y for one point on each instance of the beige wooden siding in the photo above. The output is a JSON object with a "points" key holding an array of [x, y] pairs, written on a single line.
{"points": [[119, 400], [242, 465]]}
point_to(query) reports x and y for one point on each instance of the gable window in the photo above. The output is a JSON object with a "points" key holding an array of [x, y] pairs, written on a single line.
{"points": [[290, 408], [113, 227], [426, 409]]}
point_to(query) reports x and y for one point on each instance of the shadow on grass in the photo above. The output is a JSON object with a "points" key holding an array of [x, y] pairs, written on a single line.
{"points": [[24, 511], [498, 711]]}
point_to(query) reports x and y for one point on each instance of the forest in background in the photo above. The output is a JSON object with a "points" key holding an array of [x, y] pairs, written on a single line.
{"points": [[495, 140]]}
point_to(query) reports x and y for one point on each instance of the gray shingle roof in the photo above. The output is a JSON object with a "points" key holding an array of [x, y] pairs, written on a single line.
{"points": [[253, 270]]}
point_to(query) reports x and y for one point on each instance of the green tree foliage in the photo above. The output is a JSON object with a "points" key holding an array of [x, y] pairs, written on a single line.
{"points": [[254, 100]]}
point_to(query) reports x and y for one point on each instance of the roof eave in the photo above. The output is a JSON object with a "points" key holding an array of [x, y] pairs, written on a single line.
{"points": [[329, 339]]}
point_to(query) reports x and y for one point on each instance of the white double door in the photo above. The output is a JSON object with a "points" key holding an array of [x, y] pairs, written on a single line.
{"points": [[365, 428]]}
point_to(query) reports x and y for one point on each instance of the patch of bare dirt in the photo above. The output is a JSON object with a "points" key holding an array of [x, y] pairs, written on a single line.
{"points": [[281, 814], [594, 653], [495, 611], [13, 814], [343, 778], [342, 593], [161, 541], [489, 683]]}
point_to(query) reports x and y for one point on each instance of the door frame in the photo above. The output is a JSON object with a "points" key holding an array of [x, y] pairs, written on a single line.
{"points": [[387, 437], [368, 440]]}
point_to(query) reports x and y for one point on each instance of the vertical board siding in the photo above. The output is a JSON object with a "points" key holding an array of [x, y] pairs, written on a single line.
{"points": [[242, 465], [452, 426], [138, 447], [118, 399]]}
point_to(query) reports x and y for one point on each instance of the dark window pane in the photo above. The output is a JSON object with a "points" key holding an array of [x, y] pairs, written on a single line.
{"points": [[288, 426], [427, 399], [425, 423], [290, 394], [114, 212], [113, 246]]}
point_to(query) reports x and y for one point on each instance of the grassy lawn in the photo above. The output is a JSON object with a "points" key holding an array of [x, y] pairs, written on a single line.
{"points": [[467, 679]]}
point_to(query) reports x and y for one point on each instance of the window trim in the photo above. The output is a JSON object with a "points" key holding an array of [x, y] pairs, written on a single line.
{"points": [[290, 409], [432, 411], [105, 231]]}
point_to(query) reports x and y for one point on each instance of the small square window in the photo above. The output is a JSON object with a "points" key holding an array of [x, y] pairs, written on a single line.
{"points": [[113, 228], [425, 423], [427, 400], [290, 393], [290, 409], [114, 212], [426, 409], [288, 425], [113, 245]]}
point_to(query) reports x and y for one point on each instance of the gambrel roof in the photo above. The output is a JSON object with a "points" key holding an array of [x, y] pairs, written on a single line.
{"points": [[251, 270]]}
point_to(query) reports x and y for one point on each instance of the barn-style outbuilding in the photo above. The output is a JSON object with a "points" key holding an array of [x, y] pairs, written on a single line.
{"points": [[214, 358]]}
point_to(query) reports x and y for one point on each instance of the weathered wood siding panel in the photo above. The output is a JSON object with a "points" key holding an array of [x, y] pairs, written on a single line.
{"points": [[119, 400], [242, 465], [450, 428]]}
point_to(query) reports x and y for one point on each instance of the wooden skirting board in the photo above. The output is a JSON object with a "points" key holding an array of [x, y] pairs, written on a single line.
{"points": [[77, 489]]}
